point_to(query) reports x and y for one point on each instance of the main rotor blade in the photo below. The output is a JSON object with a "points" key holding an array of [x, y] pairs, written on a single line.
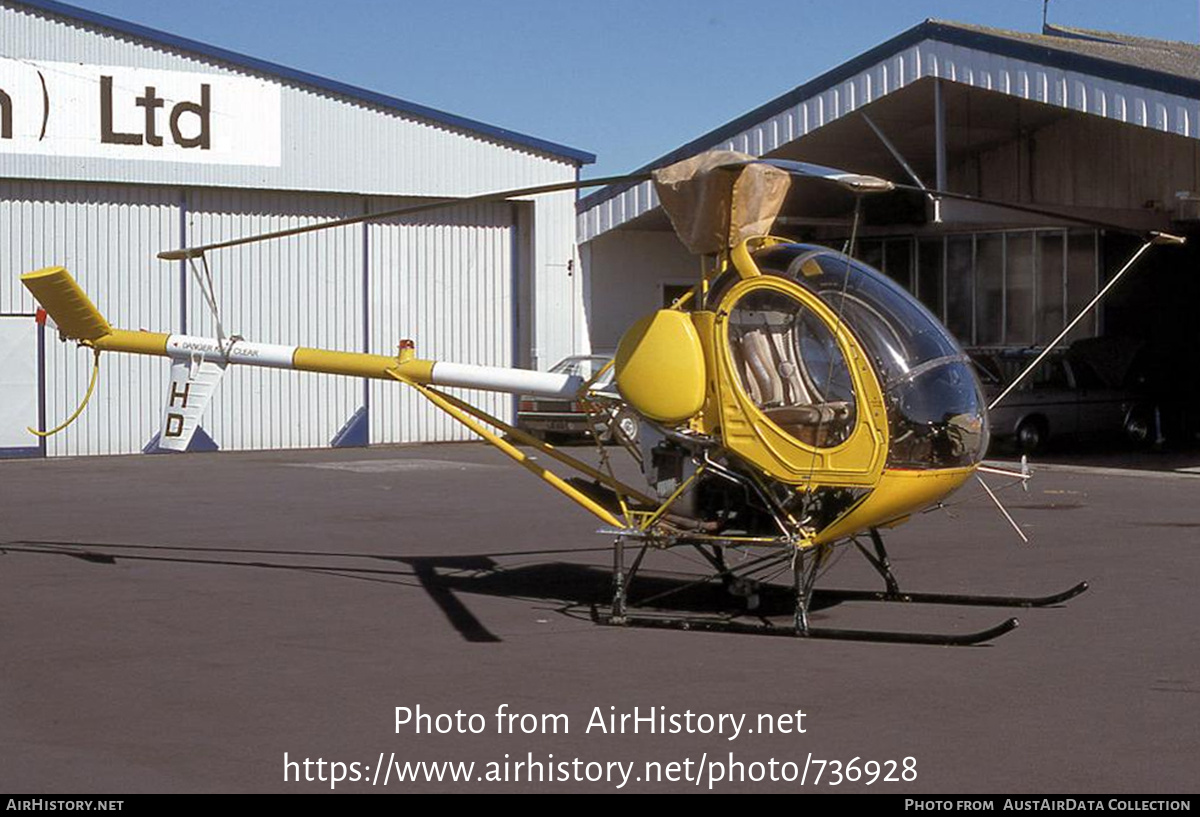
{"points": [[503, 195], [1003, 510], [854, 182], [1020, 208], [1155, 238]]}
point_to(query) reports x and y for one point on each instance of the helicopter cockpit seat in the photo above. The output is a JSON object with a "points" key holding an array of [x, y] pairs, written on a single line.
{"points": [[759, 372], [771, 374]]}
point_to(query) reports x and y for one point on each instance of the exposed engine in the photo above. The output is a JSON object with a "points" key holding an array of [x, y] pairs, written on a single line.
{"points": [[727, 496]]}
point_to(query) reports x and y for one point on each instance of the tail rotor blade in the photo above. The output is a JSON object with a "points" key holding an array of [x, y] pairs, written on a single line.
{"points": [[192, 386]]}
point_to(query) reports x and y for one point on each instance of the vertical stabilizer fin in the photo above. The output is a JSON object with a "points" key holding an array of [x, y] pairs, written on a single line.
{"points": [[70, 307]]}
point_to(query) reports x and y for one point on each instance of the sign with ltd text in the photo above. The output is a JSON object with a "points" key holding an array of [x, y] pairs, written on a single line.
{"points": [[113, 112]]}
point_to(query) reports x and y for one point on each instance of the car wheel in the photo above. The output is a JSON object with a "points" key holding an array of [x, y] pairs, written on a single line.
{"points": [[1031, 435], [1139, 425]]}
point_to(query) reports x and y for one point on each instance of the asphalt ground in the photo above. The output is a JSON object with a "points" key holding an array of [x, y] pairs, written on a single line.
{"points": [[179, 623]]}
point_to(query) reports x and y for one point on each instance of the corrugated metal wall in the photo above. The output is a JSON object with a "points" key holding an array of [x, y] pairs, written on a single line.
{"points": [[306, 290], [445, 279], [106, 235]]}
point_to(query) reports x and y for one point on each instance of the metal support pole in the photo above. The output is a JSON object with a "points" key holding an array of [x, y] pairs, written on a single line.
{"points": [[939, 145], [618, 604], [896, 154], [801, 586], [885, 564]]}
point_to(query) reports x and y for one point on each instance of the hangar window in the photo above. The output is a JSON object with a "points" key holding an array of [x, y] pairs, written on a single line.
{"points": [[1005, 288]]}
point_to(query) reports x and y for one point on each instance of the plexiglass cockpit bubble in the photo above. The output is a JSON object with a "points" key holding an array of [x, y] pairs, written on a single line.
{"points": [[936, 410]]}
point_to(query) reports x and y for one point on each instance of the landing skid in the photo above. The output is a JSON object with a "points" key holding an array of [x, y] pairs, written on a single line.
{"points": [[952, 598], [729, 625], [805, 568]]}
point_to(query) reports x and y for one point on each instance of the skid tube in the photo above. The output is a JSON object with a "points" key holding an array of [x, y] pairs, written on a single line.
{"points": [[879, 561], [953, 598], [805, 569], [729, 625]]}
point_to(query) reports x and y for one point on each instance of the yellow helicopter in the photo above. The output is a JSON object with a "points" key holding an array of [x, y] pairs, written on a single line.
{"points": [[795, 401]]}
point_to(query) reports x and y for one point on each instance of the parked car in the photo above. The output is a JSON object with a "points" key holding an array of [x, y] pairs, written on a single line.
{"points": [[560, 420], [1089, 389]]}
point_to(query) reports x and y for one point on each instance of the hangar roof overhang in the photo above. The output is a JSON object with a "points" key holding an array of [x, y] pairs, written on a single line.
{"points": [[314, 81], [991, 80]]}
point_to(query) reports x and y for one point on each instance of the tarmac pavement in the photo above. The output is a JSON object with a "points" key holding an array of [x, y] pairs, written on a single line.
{"points": [[184, 623]]}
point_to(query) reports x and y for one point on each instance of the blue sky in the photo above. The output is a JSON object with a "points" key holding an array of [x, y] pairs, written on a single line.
{"points": [[625, 80]]}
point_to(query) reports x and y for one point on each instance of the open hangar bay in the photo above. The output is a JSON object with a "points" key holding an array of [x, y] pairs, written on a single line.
{"points": [[178, 624], [1094, 129]]}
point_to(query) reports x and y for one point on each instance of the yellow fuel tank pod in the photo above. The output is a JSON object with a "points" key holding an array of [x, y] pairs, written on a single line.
{"points": [[660, 367]]}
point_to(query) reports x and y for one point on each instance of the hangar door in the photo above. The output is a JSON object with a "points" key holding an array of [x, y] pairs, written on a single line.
{"points": [[19, 369], [107, 236], [444, 278], [447, 279]]}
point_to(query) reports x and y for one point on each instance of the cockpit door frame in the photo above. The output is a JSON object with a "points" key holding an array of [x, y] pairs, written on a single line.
{"points": [[747, 430]]}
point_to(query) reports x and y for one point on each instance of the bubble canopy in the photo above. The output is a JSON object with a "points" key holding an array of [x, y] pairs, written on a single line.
{"points": [[936, 413]]}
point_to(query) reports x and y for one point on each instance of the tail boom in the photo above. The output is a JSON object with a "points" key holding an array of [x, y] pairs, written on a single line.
{"points": [[78, 319]]}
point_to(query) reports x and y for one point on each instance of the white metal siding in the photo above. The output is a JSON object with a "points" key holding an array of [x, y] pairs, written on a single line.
{"points": [[445, 280], [19, 374], [305, 290], [106, 235]]}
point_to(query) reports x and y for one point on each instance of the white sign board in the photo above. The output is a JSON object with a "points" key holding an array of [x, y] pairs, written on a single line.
{"points": [[18, 381], [113, 112]]}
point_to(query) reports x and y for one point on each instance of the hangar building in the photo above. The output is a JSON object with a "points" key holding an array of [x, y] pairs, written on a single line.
{"points": [[1098, 126], [117, 142]]}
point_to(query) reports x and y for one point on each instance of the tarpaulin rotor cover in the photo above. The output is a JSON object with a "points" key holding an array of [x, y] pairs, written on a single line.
{"points": [[714, 206]]}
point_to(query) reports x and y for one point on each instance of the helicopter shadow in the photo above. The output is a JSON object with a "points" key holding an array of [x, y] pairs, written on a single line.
{"points": [[570, 589], [573, 589]]}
